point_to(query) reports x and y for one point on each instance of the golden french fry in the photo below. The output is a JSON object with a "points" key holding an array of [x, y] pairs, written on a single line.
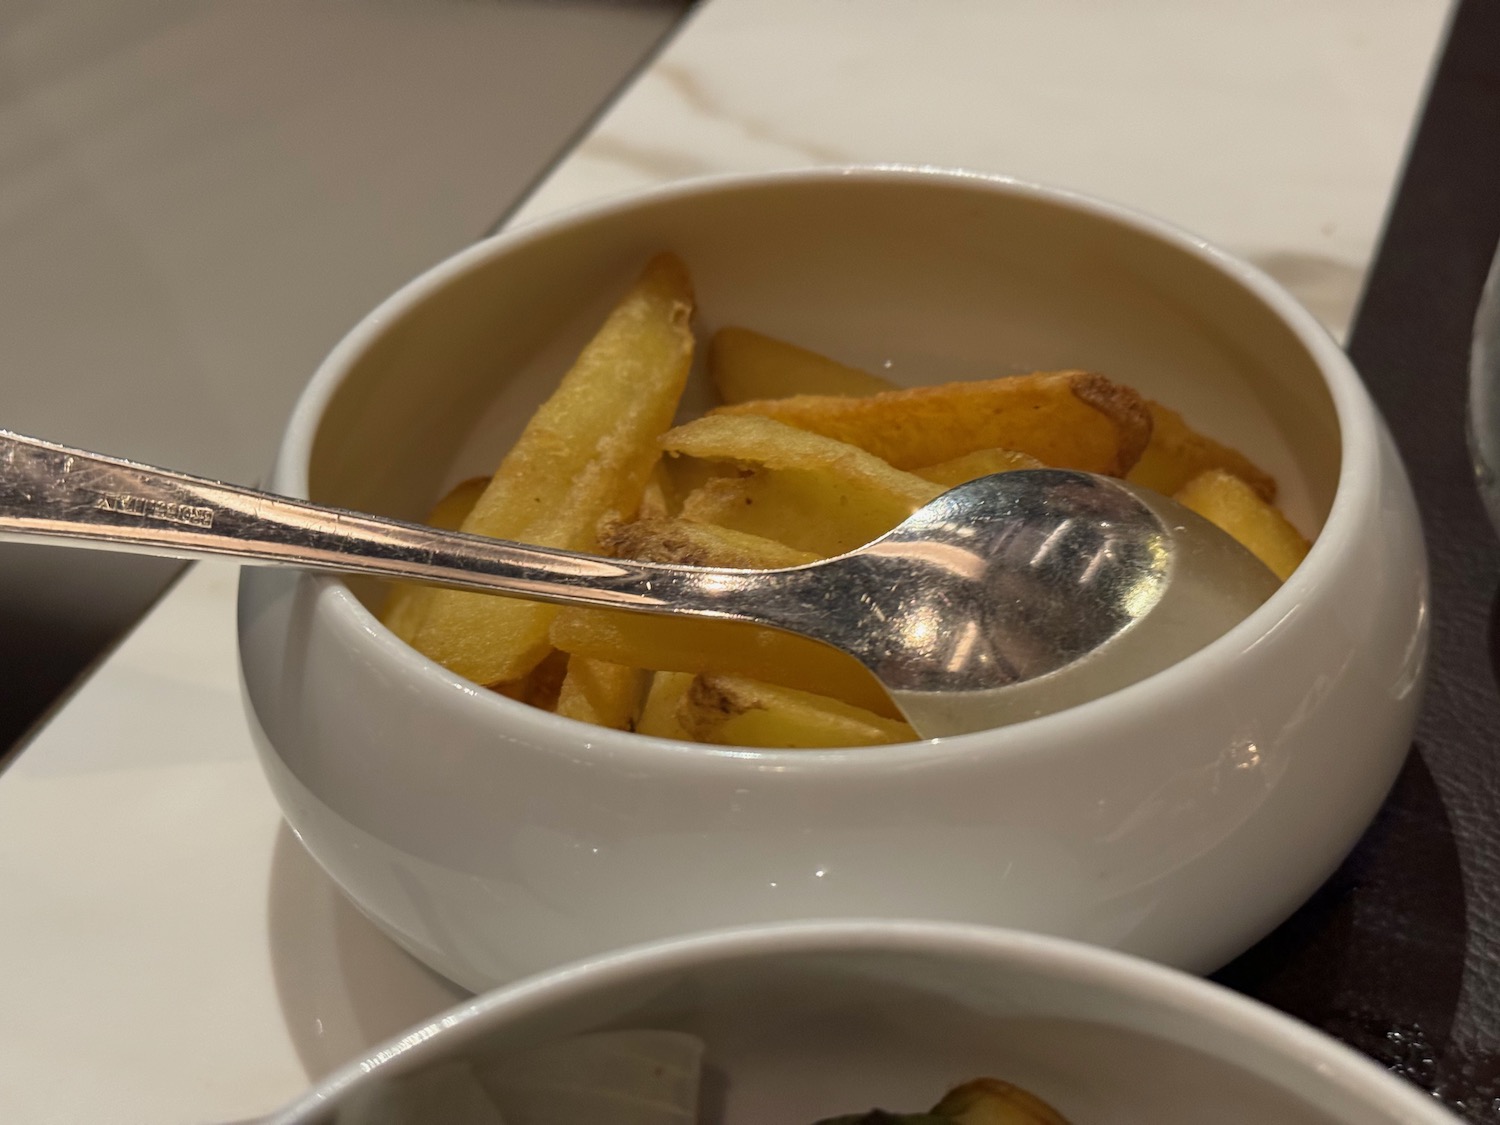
{"points": [[683, 644], [808, 491], [602, 693], [972, 466], [735, 711], [680, 477], [812, 512], [1177, 453], [586, 452], [659, 713], [699, 544], [746, 366], [450, 512], [657, 500], [1225, 500], [403, 607], [765, 443], [1066, 419]]}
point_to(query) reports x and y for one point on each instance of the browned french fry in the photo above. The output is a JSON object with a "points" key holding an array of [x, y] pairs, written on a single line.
{"points": [[601, 693], [586, 452], [735, 711], [746, 365], [681, 644], [972, 466], [659, 714], [403, 607], [1223, 499], [1067, 419], [1177, 453]]}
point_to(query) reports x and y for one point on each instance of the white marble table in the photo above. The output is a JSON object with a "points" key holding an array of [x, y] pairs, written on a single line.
{"points": [[170, 952], [195, 198]]}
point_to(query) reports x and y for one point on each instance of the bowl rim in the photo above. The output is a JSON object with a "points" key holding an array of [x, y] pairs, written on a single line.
{"points": [[1147, 986], [1357, 420]]}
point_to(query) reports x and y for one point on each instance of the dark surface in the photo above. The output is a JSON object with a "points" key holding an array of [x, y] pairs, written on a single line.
{"points": [[47, 643], [1399, 953]]}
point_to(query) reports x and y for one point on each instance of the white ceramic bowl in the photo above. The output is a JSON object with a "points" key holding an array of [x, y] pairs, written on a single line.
{"points": [[803, 1021], [1180, 818]]}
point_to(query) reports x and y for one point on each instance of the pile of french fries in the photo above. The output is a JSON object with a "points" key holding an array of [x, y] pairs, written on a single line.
{"points": [[807, 458]]}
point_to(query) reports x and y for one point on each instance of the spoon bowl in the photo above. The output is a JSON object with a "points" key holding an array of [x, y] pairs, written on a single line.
{"points": [[1005, 598]]}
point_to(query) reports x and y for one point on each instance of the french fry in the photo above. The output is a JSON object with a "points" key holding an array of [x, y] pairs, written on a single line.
{"points": [[450, 512], [659, 713], [539, 687], [669, 643], [1067, 419], [403, 607], [972, 466], [587, 451], [684, 644], [1225, 500], [657, 500], [768, 444], [680, 477], [746, 366], [602, 693], [812, 512], [1177, 453], [732, 710], [808, 491], [685, 543]]}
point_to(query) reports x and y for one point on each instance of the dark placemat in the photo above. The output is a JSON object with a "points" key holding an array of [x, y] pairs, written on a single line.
{"points": [[1399, 953]]}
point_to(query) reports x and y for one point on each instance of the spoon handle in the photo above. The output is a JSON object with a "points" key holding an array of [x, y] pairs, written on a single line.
{"points": [[51, 493]]}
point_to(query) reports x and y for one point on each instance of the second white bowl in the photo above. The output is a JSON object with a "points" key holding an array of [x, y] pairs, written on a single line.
{"points": [[802, 1021]]}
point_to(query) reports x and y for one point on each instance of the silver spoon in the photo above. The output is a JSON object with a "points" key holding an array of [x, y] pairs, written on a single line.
{"points": [[1005, 598]]}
